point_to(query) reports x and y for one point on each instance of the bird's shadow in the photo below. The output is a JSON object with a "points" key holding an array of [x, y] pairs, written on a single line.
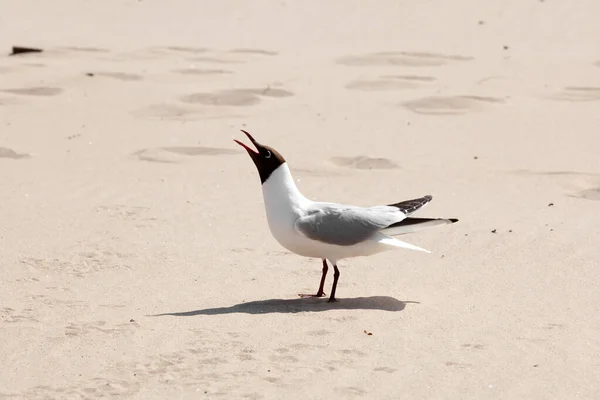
{"points": [[292, 306]]}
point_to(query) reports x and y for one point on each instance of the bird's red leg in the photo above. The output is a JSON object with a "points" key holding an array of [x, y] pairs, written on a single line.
{"points": [[336, 276], [320, 292]]}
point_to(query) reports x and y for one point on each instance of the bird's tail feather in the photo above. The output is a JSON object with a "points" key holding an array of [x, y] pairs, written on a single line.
{"points": [[410, 225], [390, 241]]}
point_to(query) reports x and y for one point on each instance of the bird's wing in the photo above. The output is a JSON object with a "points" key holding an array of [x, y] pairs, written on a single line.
{"points": [[410, 206], [411, 224], [345, 225]]}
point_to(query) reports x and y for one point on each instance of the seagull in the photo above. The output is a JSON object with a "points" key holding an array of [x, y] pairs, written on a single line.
{"points": [[330, 231]]}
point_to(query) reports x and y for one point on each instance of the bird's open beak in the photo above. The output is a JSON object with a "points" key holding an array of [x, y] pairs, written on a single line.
{"points": [[252, 153]]}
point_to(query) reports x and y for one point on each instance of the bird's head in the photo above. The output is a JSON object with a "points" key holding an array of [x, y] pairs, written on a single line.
{"points": [[266, 158]]}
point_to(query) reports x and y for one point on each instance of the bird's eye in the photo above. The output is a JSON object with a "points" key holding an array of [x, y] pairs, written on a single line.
{"points": [[268, 155]]}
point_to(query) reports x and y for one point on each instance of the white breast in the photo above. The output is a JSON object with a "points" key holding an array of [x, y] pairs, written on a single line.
{"points": [[283, 205]]}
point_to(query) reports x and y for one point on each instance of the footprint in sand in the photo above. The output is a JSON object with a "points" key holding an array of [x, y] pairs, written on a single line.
{"points": [[389, 82], [122, 379], [42, 91], [52, 302], [578, 94], [10, 315], [351, 390], [319, 332], [363, 162], [170, 155], [121, 76], [235, 98], [122, 212], [80, 265], [353, 352], [385, 369], [140, 217], [402, 58], [80, 329], [473, 346], [455, 364], [5, 152], [94, 388], [554, 326], [450, 105]]}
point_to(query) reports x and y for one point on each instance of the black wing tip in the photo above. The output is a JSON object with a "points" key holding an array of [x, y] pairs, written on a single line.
{"points": [[453, 220], [422, 200]]}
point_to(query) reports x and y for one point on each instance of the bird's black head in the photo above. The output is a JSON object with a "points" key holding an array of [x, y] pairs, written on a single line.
{"points": [[266, 158]]}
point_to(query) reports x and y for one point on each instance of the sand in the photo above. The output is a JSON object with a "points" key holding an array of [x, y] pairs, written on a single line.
{"points": [[135, 257]]}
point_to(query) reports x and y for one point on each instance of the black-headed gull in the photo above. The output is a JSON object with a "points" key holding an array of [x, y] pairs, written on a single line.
{"points": [[330, 231]]}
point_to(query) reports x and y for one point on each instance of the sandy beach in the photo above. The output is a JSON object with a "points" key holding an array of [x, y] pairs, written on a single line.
{"points": [[135, 257]]}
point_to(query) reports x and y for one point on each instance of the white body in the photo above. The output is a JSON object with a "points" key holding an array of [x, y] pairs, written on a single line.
{"points": [[284, 204]]}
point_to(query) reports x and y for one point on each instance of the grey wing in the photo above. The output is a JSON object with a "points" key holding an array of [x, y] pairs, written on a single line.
{"points": [[345, 226]]}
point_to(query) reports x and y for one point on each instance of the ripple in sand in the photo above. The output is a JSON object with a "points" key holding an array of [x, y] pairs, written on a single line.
{"points": [[42, 91], [165, 111], [270, 92], [84, 49], [121, 76], [363, 162], [236, 98], [389, 82], [414, 78], [402, 58], [255, 51], [180, 113], [10, 153], [589, 194], [308, 172], [170, 155], [578, 94], [183, 49], [450, 105], [199, 150], [215, 60], [200, 71]]}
